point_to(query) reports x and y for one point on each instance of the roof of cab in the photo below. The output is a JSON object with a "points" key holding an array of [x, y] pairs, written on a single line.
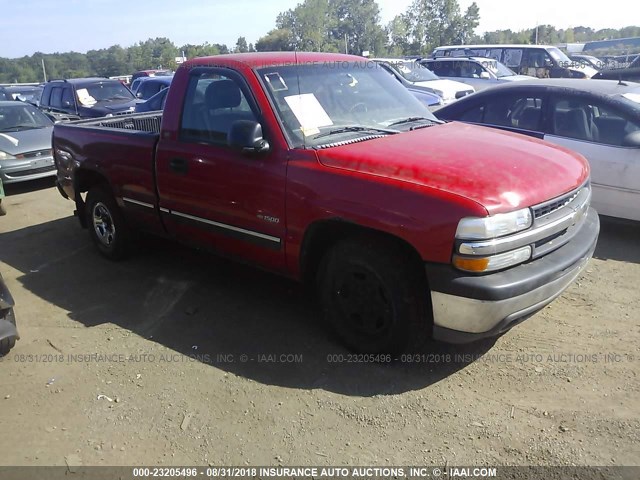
{"points": [[270, 59]]}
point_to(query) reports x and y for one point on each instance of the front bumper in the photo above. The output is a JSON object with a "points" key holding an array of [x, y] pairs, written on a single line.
{"points": [[468, 308], [12, 171]]}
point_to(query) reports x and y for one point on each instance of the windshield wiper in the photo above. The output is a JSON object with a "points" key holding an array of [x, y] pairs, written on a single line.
{"points": [[20, 127], [355, 128], [413, 119]]}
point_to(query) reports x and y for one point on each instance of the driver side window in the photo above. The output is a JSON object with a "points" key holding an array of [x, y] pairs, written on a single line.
{"points": [[213, 103]]}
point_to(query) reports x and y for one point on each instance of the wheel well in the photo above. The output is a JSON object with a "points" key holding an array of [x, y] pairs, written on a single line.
{"points": [[322, 236], [83, 181]]}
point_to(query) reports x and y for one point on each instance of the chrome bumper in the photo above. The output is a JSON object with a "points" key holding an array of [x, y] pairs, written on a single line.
{"points": [[497, 302]]}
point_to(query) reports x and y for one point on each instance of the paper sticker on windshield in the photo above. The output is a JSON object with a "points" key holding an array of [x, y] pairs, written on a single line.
{"points": [[634, 97], [84, 98], [308, 112], [276, 82]]}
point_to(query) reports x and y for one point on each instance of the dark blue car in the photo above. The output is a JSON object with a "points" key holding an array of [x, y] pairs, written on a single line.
{"points": [[146, 87], [87, 98], [155, 103]]}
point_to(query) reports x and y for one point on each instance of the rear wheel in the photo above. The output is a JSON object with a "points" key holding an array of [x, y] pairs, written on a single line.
{"points": [[373, 295], [107, 227]]}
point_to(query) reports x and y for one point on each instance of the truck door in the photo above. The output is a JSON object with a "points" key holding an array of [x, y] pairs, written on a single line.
{"points": [[216, 196]]}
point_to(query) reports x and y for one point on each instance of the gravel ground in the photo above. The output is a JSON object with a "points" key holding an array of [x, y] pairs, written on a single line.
{"points": [[176, 357]]}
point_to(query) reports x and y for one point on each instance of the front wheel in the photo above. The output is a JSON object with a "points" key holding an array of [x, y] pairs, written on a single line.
{"points": [[107, 227], [373, 295]]}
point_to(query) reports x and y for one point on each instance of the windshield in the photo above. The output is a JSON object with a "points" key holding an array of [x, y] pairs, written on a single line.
{"points": [[500, 69], [414, 72], [323, 103], [22, 117], [558, 56], [31, 95], [91, 94]]}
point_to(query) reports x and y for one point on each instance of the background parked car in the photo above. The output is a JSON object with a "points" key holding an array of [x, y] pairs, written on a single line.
{"points": [[25, 143], [479, 72], [87, 98], [146, 87], [542, 61], [590, 60], [155, 103], [150, 73], [415, 77], [630, 73], [600, 120], [26, 93], [4, 95]]}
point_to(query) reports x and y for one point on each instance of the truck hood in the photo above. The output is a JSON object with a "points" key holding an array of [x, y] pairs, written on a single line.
{"points": [[502, 171], [105, 108]]}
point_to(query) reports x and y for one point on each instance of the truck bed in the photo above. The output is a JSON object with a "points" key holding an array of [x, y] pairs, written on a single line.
{"points": [[120, 148], [137, 122]]}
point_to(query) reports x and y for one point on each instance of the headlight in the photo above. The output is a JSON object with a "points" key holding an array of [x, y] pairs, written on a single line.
{"points": [[483, 228], [480, 256], [6, 156]]}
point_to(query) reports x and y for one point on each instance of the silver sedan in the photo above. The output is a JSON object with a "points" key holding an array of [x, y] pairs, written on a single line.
{"points": [[25, 143]]}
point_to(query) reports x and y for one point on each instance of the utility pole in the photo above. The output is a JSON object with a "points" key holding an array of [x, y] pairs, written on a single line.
{"points": [[346, 48], [536, 32], [44, 70]]}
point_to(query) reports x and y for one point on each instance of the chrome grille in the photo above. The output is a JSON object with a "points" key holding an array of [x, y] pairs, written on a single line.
{"points": [[553, 205]]}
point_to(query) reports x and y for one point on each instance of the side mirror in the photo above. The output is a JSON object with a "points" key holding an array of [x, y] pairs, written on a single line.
{"points": [[246, 136], [139, 95], [632, 140], [485, 76]]}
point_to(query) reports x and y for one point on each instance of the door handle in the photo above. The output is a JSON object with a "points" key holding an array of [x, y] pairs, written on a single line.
{"points": [[179, 165]]}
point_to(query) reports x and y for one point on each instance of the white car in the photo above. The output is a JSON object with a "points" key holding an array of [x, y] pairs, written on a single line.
{"points": [[415, 76], [478, 72], [598, 119]]}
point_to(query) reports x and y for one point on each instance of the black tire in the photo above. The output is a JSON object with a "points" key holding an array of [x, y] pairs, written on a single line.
{"points": [[374, 296], [106, 224], [6, 345]]}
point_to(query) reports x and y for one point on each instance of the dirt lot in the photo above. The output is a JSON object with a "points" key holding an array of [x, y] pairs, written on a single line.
{"points": [[168, 383]]}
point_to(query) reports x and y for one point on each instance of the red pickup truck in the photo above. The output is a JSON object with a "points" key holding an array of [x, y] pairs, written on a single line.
{"points": [[323, 168]]}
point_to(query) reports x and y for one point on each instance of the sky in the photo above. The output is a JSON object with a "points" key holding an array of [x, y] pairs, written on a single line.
{"points": [[52, 26]]}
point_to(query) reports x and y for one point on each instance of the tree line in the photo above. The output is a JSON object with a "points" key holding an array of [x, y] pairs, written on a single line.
{"points": [[351, 26]]}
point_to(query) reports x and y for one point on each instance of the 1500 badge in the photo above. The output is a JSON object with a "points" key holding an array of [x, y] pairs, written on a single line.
{"points": [[269, 219]]}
